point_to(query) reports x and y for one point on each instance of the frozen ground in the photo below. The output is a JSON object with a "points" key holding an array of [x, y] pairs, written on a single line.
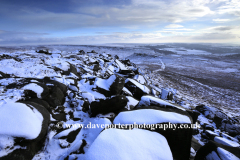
{"points": [[201, 73], [197, 73]]}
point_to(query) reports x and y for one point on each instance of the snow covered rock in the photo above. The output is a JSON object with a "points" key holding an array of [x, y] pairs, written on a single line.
{"points": [[167, 93], [96, 67], [129, 144], [210, 134], [46, 117], [81, 52], [136, 88], [24, 122], [206, 111], [154, 101], [132, 103], [36, 90], [151, 116], [111, 86], [73, 88], [217, 151], [140, 79], [6, 56], [28, 124], [193, 152], [78, 88], [126, 62], [166, 121], [221, 120], [114, 104], [88, 96], [232, 129], [72, 69], [60, 85], [164, 94], [227, 142], [124, 69], [126, 92]]}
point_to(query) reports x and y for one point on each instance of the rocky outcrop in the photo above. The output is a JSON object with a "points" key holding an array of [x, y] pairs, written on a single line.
{"points": [[94, 105], [222, 121]]}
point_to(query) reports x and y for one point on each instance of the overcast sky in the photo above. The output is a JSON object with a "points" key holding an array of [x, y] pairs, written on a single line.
{"points": [[118, 21]]}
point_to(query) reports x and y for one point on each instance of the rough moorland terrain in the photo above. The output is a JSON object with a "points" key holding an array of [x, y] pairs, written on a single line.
{"points": [[56, 104]]}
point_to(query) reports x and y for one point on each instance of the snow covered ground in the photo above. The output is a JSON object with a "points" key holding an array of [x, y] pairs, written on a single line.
{"points": [[201, 73], [194, 73]]}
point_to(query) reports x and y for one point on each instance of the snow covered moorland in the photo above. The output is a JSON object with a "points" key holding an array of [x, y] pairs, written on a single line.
{"points": [[88, 102]]}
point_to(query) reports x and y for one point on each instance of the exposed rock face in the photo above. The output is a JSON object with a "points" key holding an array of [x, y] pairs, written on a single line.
{"points": [[117, 85], [56, 97], [114, 104], [111, 86], [43, 51], [3, 75], [137, 89]]}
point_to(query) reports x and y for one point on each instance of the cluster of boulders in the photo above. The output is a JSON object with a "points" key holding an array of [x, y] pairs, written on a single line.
{"points": [[222, 121], [101, 89]]}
